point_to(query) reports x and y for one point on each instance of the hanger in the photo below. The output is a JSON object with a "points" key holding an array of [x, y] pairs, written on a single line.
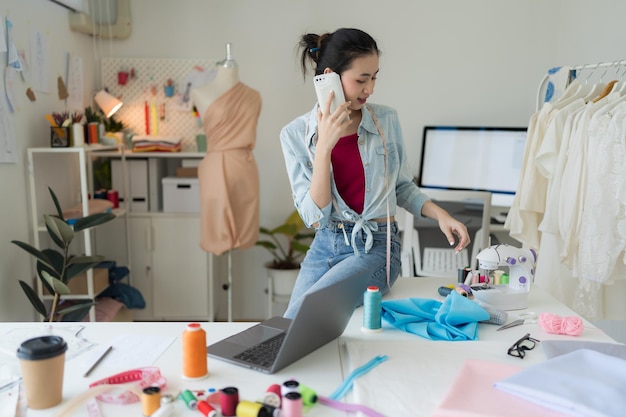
{"points": [[605, 92]]}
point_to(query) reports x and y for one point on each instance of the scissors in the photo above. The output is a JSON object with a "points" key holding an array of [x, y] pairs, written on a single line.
{"points": [[524, 318]]}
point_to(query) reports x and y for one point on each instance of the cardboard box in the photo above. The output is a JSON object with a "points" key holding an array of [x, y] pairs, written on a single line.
{"points": [[78, 284], [187, 172], [181, 195]]}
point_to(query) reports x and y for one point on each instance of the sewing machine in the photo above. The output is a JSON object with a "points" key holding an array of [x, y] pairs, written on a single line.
{"points": [[521, 264]]}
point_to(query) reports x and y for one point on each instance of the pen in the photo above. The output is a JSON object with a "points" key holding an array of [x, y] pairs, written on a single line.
{"points": [[92, 367]]}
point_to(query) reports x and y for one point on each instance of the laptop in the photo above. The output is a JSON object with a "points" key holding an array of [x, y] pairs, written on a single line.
{"points": [[278, 342]]}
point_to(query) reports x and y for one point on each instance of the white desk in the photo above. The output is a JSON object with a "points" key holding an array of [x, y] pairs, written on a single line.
{"points": [[430, 366], [419, 372]]}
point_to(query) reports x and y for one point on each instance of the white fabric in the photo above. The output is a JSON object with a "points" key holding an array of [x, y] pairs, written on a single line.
{"points": [[578, 150], [582, 383]]}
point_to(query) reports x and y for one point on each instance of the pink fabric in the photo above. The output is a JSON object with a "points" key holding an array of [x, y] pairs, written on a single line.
{"points": [[472, 394], [552, 323]]}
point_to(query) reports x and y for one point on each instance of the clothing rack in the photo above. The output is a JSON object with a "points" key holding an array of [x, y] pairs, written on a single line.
{"points": [[544, 80]]}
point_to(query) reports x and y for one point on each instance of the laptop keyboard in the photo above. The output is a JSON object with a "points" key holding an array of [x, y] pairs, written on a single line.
{"points": [[443, 261], [264, 353]]}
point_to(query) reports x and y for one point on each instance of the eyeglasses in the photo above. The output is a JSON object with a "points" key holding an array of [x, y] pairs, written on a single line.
{"points": [[520, 347]]}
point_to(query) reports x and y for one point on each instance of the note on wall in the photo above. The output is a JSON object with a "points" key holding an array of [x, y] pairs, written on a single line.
{"points": [[75, 83], [8, 150], [39, 61]]}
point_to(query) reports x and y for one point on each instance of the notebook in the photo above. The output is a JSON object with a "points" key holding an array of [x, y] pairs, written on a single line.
{"points": [[322, 317]]}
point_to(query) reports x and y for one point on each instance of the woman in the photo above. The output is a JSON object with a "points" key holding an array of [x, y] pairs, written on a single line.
{"points": [[348, 173]]}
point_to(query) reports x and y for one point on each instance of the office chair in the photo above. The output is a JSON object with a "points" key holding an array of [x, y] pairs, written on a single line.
{"points": [[473, 208]]}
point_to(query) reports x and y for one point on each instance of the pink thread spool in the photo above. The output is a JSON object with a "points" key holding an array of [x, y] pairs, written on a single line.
{"points": [[292, 404]]}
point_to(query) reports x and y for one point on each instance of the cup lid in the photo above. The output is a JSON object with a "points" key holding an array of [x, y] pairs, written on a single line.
{"points": [[42, 347]]}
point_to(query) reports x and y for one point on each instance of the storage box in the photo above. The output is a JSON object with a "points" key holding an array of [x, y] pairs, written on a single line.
{"points": [[181, 195], [187, 172], [78, 284]]}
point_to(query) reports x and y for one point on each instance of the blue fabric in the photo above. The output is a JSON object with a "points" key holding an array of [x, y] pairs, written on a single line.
{"points": [[456, 318]]}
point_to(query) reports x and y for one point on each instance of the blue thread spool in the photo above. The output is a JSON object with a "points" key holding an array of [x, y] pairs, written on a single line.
{"points": [[372, 310]]}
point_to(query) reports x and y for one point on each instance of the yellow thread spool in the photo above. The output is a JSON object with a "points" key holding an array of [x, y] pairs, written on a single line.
{"points": [[250, 409], [194, 352]]}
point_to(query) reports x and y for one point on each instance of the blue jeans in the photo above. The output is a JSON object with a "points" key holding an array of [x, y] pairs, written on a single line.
{"points": [[330, 260]]}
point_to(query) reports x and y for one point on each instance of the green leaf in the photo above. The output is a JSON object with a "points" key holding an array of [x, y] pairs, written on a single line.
{"points": [[42, 267], [56, 203], [299, 247], [57, 285], [61, 232], [266, 244], [286, 229], [92, 220], [33, 251], [76, 312], [33, 298]]}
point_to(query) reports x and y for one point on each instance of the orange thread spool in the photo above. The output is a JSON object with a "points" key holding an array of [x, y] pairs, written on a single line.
{"points": [[194, 352], [150, 400]]}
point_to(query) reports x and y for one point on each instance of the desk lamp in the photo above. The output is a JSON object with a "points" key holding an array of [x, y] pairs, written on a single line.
{"points": [[107, 103]]}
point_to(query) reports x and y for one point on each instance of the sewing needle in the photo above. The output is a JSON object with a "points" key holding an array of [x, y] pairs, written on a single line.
{"points": [[92, 367]]}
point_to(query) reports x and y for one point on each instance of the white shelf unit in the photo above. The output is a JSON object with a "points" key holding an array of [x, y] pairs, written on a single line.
{"points": [[75, 174], [167, 264]]}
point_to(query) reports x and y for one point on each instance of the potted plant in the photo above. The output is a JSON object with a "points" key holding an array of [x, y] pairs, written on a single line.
{"points": [[55, 268], [288, 243]]}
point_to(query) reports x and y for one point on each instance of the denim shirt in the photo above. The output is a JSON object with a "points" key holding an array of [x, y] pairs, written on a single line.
{"points": [[401, 190]]}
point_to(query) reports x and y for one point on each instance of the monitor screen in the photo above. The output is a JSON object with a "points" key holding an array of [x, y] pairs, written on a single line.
{"points": [[473, 158]]}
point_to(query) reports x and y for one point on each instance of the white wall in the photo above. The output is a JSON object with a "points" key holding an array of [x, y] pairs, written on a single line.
{"points": [[450, 61], [31, 130]]}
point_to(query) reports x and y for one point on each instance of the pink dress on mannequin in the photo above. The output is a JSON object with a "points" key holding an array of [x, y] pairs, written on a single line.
{"points": [[228, 174]]}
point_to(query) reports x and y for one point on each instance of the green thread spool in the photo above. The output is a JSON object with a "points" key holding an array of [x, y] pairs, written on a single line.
{"points": [[309, 396], [189, 399]]}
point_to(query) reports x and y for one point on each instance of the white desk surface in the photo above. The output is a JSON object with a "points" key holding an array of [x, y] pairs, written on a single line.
{"points": [[435, 363]]}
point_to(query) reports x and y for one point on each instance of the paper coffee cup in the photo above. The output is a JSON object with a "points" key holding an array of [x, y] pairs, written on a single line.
{"points": [[42, 361]]}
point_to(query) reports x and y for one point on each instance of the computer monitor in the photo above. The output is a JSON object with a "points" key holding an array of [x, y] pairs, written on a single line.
{"points": [[473, 158]]}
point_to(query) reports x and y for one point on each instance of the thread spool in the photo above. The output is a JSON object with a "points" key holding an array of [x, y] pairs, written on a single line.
{"points": [[206, 409], [189, 399], [372, 310], [229, 398], [150, 400], [272, 396], [289, 386], [93, 133], [251, 409], [166, 410], [114, 197], [292, 405], [309, 396], [194, 352], [497, 276]]}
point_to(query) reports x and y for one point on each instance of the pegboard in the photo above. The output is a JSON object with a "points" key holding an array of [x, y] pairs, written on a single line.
{"points": [[175, 115]]}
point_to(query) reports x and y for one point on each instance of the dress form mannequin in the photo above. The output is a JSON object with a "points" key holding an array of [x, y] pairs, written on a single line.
{"points": [[228, 174], [225, 79]]}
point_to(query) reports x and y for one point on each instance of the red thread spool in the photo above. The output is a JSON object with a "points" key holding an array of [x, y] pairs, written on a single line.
{"points": [[229, 398], [273, 396], [114, 197], [194, 352], [206, 409]]}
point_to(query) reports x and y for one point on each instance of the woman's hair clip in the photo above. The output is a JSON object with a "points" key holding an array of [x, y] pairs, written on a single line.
{"points": [[314, 50]]}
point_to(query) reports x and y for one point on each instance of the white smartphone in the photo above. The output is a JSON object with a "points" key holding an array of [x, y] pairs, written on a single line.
{"points": [[324, 84]]}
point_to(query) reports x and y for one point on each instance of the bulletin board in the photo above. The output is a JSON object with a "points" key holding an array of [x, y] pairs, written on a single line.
{"points": [[145, 90]]}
